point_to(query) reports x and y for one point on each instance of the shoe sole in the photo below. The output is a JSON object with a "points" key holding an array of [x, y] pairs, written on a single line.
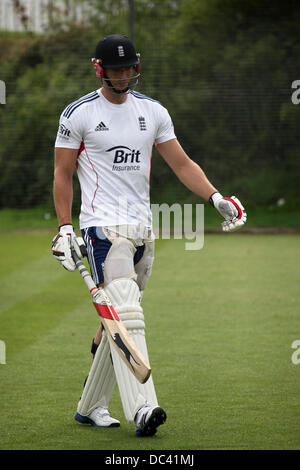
{"points": [[157, 418], [85, 420]]}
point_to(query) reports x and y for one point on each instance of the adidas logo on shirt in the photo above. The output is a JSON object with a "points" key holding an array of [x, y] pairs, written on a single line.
{"points": [[101, 127]]}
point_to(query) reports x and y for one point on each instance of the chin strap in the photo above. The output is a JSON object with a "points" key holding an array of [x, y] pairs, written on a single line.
{"points": [[117, 92], [101, 75]]}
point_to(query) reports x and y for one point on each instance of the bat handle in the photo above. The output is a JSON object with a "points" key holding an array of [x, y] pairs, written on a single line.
{"points": [[84, 272], [76, 257], [83, 250]]}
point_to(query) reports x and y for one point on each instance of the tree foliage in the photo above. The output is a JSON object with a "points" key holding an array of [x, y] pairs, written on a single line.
{"points": [[223, 68]]}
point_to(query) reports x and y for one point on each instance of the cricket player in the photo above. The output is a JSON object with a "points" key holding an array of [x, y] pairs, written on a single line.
{"points": [[108, 136]]}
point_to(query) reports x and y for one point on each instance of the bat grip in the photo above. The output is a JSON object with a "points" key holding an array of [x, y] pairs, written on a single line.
{"points": [[83, 271], [83, 250], [76, 257]]}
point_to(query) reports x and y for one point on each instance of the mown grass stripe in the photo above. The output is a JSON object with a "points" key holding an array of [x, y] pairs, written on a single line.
{"points": [[219, 323]]}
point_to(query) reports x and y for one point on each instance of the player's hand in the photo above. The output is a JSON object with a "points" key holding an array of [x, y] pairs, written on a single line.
{"points": [[231, 209], [63, 243]]}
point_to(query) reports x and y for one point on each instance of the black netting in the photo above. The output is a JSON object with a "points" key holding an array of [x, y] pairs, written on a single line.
{"points": [[224, 69]]}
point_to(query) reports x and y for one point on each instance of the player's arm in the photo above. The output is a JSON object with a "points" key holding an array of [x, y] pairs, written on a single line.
{"points": [[65, 160], [65, 240], [194, 178], [189, 172]]}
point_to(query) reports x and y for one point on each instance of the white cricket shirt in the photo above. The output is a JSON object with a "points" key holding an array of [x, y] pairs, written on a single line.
{"points": [[114, 143]]}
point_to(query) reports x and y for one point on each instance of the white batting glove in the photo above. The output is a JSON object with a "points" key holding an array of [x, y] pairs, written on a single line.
{"points": [[63, 243], [231, 209]]}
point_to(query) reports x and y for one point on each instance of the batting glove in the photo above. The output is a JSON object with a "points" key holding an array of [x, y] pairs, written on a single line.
{"points": [[231, 209], [63, 243]]}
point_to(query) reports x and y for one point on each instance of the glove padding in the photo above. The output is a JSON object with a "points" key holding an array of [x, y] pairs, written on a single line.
{"points": [[232, 210], [63, 243]]}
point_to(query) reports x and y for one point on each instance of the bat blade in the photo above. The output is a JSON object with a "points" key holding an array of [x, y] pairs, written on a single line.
{"points": [[115, 329], [122, 341]]}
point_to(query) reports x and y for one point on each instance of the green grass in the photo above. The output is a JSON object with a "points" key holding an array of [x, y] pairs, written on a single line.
{"points": [[45, 218], [220, 324], [27, 219]]}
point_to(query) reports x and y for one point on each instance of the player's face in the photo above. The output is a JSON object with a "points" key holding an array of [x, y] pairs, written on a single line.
{"points": [[120, 78]]}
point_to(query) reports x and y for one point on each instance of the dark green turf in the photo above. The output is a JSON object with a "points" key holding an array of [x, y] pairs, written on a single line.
{"points": [[220, 325]]}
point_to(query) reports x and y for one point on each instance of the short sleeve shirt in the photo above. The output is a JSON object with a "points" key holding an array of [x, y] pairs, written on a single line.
{"points": [[114, 143]]}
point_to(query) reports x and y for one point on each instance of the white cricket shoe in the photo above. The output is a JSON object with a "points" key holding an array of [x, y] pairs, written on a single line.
{"points": [[148, 419], [99, 418]]}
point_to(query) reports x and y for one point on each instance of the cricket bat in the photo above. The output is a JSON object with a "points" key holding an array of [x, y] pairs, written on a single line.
{"points": [[114, 327]]}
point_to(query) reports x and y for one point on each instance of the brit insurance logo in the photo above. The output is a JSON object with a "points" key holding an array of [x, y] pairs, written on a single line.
{"points": [[125, 159], [64, 131]]}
